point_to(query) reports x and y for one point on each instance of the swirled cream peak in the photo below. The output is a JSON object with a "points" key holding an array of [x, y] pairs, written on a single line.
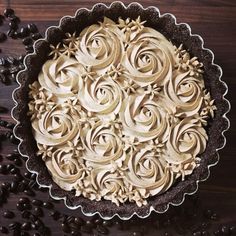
{"points": [[118, 112]]}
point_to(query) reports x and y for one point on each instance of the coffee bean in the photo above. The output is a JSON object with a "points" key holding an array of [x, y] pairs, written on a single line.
{"points": [[23, 200], [18, 177], [36, 36], [90, 224], [214, 216], [18, 162], [27, 41], [27, 175], [19, 206], [8, 214], [3, 61], [3, 37], [1, 19], [14, 170], [205, 233], [21, 67], [14, 225], [137, 233], [232, 231], [36, 234], [6, 186], [29, 48], [98, 221], [13, 25], [13, 70], [3, 78], [65, 228], [217, 233], [37, 202], [32, 176], [48, 205], [8, 12], [10, 125], [3, 169], [11, 33], [10, 157], [3, 123], [55, 215], [74, 226], [79, 221], [32, 28], [225, 230], [75, 233], [26, 226], [14, 19], [38, 211], [32, 183], [24, 32], [33, 218], [102, 230], [3, 230], [29, 192], [25, 214]]}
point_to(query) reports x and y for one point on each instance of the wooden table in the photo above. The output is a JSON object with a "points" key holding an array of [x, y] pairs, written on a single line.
{"points": [[215, 21]]}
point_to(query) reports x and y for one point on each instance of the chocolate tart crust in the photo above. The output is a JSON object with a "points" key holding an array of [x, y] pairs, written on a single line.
{"points": [[177, 34]]}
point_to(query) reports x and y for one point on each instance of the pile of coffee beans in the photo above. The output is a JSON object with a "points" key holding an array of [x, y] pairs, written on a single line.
{"points": [[10, 66], [31, 212]]}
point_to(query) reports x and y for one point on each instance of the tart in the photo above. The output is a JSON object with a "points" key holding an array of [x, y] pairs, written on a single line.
{"points": [[122, 112]]}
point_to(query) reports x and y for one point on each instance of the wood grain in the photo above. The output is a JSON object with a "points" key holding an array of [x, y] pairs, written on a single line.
{"points": [[214, 20]]}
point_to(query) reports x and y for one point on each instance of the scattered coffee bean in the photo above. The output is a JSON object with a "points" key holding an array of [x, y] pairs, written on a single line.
{"points": [[32, 28], [8, 214], [24, 32], [13, 25], [25, 214], [8, 12], [17, 162], [14, 170], [27, 41], [75, 233], [102, 230], [23, 200], [37, 202], [65, 228], [36, 234], [11, 33], [3, 230], [14, 225], [225, 230], [3, 169], [1, 19], [36, 36], [29, 192], [3, 78], [3, 37], [3, 61], [38, 211], [137, 233], [26, 226], [98, 221], [48, 205]]}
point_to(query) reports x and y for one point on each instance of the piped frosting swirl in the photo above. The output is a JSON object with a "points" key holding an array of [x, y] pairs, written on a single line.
{"points": [[118, 112]]}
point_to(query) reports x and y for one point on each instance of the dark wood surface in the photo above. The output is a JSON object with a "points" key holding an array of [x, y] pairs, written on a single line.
{"points": [[215, 21]]}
